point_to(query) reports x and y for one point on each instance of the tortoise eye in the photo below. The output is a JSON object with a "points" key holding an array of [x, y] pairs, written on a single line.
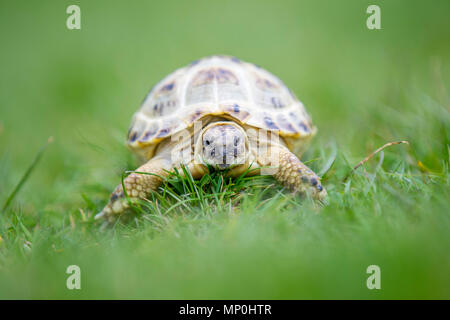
{"points": [[207, 142]]}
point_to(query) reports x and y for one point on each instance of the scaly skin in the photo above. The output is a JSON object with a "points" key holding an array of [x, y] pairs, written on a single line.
{"points": [[137, 185], [289, 171], [293, 174]]}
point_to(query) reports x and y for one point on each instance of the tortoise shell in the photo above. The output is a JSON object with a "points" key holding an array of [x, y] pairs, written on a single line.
{"points": [[218, 85]]}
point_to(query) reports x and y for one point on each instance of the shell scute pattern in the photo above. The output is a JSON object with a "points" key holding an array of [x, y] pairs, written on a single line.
{"points": [[196, 114], [270, 92], [237, 111], [285, 124], [148, 134], [165, 100], [270, 124], [163, 133], [213, 86]]}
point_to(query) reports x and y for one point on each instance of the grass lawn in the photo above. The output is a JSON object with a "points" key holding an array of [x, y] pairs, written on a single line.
{"points": [[219, 238]]}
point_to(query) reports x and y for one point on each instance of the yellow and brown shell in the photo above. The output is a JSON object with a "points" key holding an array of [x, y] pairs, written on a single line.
{"points": [[218, 85]]}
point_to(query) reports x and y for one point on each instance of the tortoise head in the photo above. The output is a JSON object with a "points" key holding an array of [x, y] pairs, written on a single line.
{"points": [[223, 145]]}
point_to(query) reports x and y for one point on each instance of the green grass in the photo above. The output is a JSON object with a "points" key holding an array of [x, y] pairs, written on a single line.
{"points": [[216, 237]]}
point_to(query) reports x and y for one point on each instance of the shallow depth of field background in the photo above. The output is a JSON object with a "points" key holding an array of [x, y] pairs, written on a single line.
{"points": [[363, 88]]}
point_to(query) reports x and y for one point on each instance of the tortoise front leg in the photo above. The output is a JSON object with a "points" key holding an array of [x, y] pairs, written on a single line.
{"points": [[293, 173], [137, 186]]}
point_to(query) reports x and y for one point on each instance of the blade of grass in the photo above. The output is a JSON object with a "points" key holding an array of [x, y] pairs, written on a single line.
{"points": [[330, 161], [27, 174], [370, 156], [376, 151]]}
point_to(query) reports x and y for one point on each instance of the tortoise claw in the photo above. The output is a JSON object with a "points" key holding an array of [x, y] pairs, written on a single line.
{"points": [[100, 215]]}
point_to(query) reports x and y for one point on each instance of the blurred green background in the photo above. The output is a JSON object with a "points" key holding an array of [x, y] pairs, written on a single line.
{"points": [[362, 87]]}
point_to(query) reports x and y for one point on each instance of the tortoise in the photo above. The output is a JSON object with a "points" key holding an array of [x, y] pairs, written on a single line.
{"points": [[218, 113]]}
